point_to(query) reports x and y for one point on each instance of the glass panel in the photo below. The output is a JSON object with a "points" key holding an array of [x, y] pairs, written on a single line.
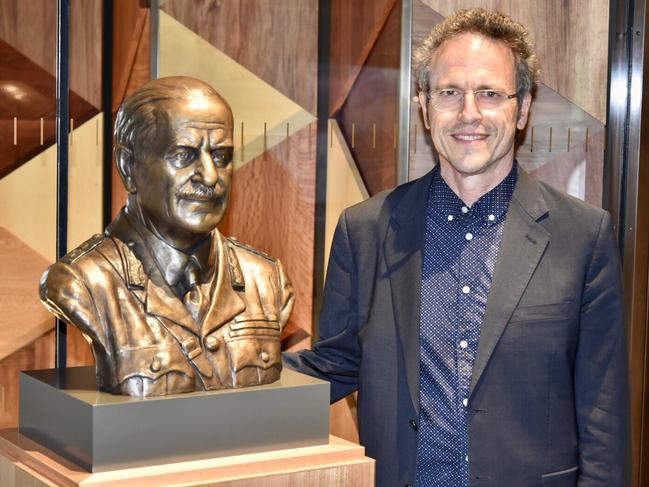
{"points": [[27, 190]]}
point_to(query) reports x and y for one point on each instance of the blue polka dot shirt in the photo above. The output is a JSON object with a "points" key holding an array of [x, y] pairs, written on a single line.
{"points": [[460, 251]]}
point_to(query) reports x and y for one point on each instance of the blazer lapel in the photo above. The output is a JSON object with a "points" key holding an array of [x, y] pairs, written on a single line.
{"points": [[403, 257], [523, 242]]}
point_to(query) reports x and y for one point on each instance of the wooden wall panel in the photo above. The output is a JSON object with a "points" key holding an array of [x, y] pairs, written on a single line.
{"points": [[355, 27], [571, 38], [275, 40], [37, 355], [30, 27], [272, 208], [131, 68], [369, 115]]}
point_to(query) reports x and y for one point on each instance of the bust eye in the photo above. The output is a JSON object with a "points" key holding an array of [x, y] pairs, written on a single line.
{"points": [[222, 156], [181, 156]]}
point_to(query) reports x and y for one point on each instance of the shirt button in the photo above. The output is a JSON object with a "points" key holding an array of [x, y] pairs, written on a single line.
{"points": [[464, 209], [491, 218], [464, 344], [450, 218], [155, 365], [264, 357], [469, 236], [466, 289], [466, 458], [465, 402], [413, 425]]}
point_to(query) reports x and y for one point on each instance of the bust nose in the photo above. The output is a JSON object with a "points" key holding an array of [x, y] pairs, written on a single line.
{"points": [[207, 169]]}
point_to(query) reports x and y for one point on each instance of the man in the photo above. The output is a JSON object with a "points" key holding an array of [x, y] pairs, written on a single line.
{"points": [[477, 312], [168, 303]]}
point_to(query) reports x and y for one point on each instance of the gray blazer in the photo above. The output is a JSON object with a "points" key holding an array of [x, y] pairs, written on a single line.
{"points": [[549, 401]]}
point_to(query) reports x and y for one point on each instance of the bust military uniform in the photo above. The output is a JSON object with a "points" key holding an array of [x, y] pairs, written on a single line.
{"points": [[145, 340]]}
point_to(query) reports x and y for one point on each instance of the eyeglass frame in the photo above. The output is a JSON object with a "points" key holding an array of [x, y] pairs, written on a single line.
{"points": [[464, 92]]}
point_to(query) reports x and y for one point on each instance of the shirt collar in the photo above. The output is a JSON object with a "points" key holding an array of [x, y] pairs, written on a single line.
{"points": [[444, 202]]}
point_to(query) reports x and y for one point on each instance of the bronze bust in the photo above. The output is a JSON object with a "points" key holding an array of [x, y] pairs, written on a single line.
{"points": [[169, 304]]}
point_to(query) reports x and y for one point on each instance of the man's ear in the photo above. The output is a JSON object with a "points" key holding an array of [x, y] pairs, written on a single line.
{"points": [[524, 112], [124, 160], [423, 102]]}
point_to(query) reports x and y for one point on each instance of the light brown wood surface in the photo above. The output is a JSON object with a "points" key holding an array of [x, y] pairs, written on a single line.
{"points": [[337, 464], [276, 40], [571, 38], [272, 208]]}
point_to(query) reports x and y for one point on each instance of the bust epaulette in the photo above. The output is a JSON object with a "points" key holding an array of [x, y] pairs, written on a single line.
{"points": [[258, 252], [84, 248]]}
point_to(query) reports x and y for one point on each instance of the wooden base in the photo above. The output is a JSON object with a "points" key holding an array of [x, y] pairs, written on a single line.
{"points": [[24, 463]]}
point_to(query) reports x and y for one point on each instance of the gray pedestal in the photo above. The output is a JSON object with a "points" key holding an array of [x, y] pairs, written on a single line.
{"points": [[63, 410]]}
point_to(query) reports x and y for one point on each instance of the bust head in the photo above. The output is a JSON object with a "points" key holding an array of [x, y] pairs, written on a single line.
{"points": [[173, 149]]}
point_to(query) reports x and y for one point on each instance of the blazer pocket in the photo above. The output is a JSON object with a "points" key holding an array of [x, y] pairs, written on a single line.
{"points": [[542, 312], [561, 478]]}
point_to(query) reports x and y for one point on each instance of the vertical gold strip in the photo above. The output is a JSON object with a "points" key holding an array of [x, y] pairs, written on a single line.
{"points": [[568, 139], [373, 136], [265, 143], [42, 131], [353, 135], [241, 141], [394, 136], [97, 132], [532, 140], [550, 141], [15, 130], [414, 144]]}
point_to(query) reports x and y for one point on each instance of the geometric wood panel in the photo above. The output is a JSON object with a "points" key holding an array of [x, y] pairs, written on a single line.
{"points": [[355, 26], [27, 92], [30, 27], [276, 40], [272, 208], [369, 116]]}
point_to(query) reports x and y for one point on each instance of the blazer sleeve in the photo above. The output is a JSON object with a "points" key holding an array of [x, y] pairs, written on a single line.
{"points": [[601, 369], [336, 356]]}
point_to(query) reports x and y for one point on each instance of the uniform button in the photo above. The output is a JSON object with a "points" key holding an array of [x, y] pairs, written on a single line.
{"points": [[491, 218], [466, 458], [156, 365], [464, 209], [450, 218], [212, 343], [469, 236], [466, 289], [264, 357], [464, 344], [465, 402], [413, 424]]}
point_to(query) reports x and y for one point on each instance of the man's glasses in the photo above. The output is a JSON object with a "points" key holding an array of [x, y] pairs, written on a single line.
{"points": [[452, 99]]}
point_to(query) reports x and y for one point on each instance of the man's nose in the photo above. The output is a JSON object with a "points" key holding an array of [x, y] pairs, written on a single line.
{"points": [[469, 111], [207, 169]]}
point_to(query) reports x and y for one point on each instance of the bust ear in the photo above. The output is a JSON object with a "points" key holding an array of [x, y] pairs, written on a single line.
{"points": [[124, 160]]}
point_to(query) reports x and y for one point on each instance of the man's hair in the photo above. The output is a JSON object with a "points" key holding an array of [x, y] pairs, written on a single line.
{"points": [[492, 25], [137, 117]]}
